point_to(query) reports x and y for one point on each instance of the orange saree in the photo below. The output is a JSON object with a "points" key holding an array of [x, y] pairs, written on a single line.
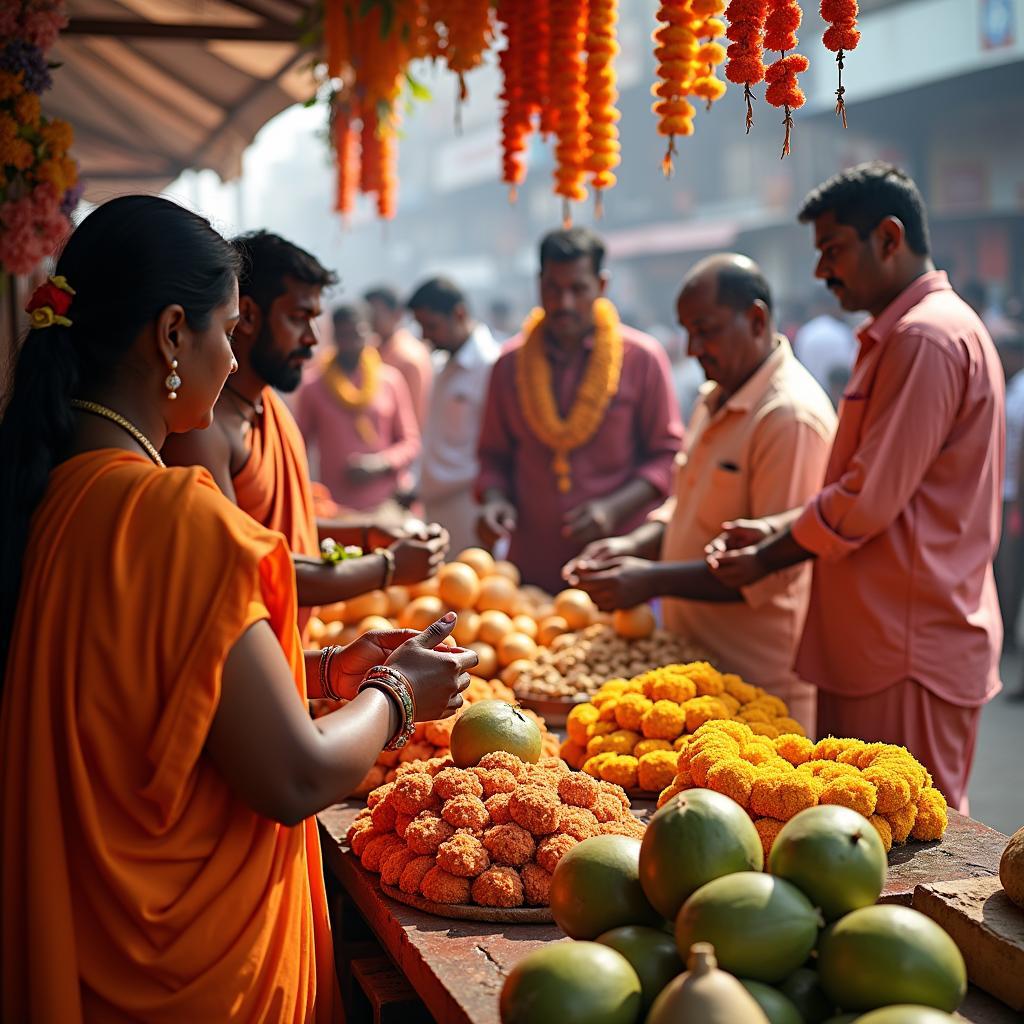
{"points": [[135, 885]]}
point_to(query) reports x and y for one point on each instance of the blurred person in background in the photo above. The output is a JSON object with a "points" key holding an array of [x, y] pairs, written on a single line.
{"points": [[399, 347], [758, 440], [357, 417], [825, 344], [1009, 563], [581, 425], [466, 351], [499, 317]]}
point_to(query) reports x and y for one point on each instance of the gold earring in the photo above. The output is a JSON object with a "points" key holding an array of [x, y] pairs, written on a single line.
{"points": [[173, 381]]}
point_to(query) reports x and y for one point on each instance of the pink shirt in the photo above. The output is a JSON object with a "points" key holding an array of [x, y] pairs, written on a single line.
{"points": [[332, 435], [411, 358], [639, 437], [908, 521]]}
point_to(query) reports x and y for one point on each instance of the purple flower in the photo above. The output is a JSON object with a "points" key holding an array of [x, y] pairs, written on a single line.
{"points": [[71, 199], [18, 55]]}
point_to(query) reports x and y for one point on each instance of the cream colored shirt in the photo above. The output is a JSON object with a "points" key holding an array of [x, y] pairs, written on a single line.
{"points": [[764, 449]]}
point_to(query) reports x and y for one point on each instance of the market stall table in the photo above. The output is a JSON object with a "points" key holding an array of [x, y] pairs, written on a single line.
{"points": [[458, 968]]}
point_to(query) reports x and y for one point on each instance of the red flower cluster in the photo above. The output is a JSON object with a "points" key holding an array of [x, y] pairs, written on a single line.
{"points": [[49, 294], [842, 33]]}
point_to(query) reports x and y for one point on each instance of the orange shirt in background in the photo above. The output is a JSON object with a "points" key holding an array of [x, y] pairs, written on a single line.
{"points": [[763, 448], [135, 884], [411, 358], [908, 522], [274, 487]]}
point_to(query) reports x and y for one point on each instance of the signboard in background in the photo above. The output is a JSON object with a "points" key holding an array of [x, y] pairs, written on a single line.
{"points": [[997, 19]]}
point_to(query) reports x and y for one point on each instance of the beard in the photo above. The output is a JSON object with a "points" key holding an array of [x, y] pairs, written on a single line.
{"points": [[276, 370]]}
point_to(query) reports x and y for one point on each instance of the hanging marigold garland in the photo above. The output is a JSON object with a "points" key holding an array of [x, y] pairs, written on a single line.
{"points": [[371, 167], [566, 83], [745, 32], [840, 36], [603, 148], [468, 35], [537, 59], [345, 136], [676, 54], [784, 17], [515, 116]]}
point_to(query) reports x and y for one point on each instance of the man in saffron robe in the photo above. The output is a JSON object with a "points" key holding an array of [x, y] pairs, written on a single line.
{"points": [[255, 451], [581, 424]]}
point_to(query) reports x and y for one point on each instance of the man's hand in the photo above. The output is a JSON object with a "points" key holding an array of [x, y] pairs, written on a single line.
{"points": [[409, 529], [598, 551], [416, 560], [588, 522], [739, 533], [497, 519], [621, 582], [737, 567], [363, 468], [350, 664]]}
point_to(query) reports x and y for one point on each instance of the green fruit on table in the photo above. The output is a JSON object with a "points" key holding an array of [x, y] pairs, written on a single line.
{"points": [[571, 983], [596, 887], [699, 835], [881, 955], [489, 725], [650, 952], [904, 1013], [705, 995], [762, 927], [833, 856], [777, 1007]]}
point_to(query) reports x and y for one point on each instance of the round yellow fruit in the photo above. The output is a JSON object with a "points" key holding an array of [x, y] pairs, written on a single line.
{"points": [[332, 612], [458, 585], [634, 623], [497, 593], [494, 625], [514, 670], [526, 624], [576, 608], [398, 598], [421, 612], [425, 588], [551, 628], [467, 629], [516, 646], [358, 608], [488, 663], [508, 570], [374, 622], [478, 560]]}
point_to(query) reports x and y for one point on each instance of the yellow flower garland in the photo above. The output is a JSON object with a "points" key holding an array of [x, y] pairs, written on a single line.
{"points": [[355, 398], [600, 384]]}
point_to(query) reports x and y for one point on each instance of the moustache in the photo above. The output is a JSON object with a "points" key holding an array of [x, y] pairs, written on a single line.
{"points": [[301, 353], [833, 282]]}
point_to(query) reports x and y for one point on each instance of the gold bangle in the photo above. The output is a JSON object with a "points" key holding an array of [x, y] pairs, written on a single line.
{"points": [[389, 565]]}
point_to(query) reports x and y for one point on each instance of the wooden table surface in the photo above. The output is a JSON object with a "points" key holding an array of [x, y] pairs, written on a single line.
{"points": [[458, 967]]}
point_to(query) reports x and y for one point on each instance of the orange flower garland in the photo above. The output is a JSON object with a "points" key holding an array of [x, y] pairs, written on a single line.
{"points": [[346, 149], [371, 168], [536, 73], [710, 54], [387, 193], [603, 133], [566, 71], [746, 28], [840, 36], [469, 34], [515, 117], [784, 17], [677, 69]]}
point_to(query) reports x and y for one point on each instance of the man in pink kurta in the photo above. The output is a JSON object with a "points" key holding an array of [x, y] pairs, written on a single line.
{"points": [[363, 453], [903, 633], [622, 473]]}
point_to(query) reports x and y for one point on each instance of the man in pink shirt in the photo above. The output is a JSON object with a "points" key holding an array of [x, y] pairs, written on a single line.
{"points": [[903, 633], [581, 424], [357, 418], [400, 348]]}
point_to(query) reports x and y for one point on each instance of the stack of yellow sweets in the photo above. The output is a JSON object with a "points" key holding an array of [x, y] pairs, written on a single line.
{"points": [[774, 779], [631, 731]]}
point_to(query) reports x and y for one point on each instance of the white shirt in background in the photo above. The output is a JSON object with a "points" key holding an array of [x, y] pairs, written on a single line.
{"points": [[823, 345], [449, 464]]}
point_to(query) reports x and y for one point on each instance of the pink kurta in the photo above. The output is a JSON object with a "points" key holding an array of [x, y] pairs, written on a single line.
{"points": [[639, 437], [331, 433], [411, 358], [907, 524]]}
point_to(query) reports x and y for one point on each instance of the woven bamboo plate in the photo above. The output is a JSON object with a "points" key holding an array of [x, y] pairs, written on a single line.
{"points": [[468, 912]]}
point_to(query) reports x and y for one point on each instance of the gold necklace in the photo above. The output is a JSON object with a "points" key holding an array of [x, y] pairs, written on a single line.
{"points": [[600, 383], [115, 417]]}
